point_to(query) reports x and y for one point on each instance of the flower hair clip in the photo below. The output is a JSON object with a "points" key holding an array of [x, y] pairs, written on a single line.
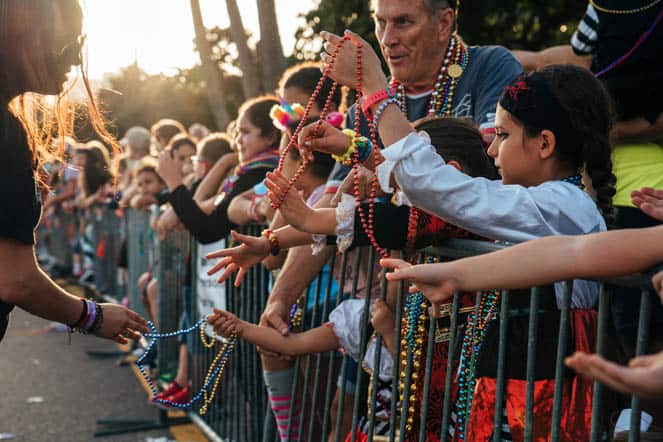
{"points": [[284, 115], [516, 88]]}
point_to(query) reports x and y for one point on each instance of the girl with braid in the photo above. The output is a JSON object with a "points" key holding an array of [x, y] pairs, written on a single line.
{"points": [[550, 127]]}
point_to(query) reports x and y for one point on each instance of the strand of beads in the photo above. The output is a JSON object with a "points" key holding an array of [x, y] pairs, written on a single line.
{"points": [[214, 373], [412, 343], [293, 139], [474, 333]]}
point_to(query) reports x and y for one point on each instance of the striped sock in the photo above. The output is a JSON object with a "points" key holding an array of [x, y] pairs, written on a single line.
{"points": [[279, 389]]}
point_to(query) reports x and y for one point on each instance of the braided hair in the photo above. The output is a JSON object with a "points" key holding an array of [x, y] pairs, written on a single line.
{"points": [[575, 106]]}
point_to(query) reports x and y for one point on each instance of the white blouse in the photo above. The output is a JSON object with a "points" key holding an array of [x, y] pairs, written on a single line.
{"points": [[510, 213]]}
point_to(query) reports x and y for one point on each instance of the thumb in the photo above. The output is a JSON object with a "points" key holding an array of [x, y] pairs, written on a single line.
{"points": [[394, 264]]}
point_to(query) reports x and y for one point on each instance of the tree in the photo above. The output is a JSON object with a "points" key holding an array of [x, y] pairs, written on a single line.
{"points": [[212, 74], [250, 80], [273, 62]]}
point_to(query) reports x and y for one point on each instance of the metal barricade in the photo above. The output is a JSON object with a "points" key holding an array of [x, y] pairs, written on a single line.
{"points": [[139, 244], [105, 228]]}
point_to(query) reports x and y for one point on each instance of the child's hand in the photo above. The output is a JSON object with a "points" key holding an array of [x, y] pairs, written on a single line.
{"points": [[366, 180], [250, 252], [293, 208], [326, 139], [650, 201], [170, 169], [225, 323], [433, 280], [382, 318]]}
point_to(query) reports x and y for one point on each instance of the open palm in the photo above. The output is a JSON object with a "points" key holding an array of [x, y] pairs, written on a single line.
{"points": [[250, 252]]}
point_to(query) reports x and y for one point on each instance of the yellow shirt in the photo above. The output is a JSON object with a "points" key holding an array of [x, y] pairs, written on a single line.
{"points": [[636, 166]]}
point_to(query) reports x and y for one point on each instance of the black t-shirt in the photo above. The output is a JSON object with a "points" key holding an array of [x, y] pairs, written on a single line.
{"points": [[20, 200]]}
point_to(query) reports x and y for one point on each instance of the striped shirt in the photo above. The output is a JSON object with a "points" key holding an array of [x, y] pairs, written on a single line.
{"points": [[585, 39]]}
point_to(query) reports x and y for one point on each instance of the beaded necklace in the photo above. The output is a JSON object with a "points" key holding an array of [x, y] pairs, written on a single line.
{"points": [[474, 333], [441, 100], [623, 11], [214, 372], [576, 180]]}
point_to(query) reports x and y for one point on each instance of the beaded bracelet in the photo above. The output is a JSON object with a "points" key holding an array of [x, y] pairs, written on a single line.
{"points": [[381, 108], [347, 155], [273, 241]]}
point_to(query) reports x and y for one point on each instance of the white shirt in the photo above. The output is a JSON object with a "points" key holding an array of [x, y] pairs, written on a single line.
{"points": [[488, 208]]}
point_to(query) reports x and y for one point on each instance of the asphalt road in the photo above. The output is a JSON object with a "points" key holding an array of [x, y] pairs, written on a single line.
{"points": [[53, 391]]}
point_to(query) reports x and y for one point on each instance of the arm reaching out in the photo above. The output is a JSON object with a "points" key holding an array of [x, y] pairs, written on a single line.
{"points": [[537, 262], [317, 340]]}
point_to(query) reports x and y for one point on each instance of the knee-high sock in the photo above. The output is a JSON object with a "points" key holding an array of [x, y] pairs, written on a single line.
{"points": [[279, 389]]}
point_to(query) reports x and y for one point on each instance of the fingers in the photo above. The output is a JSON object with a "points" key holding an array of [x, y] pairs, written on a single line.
{"points": [[596, 368], [240, 276], [397, 265], [219, 266], [276, 322], [331, 38], [657, 282], [227, 273], [645, 360], [219, 253]]}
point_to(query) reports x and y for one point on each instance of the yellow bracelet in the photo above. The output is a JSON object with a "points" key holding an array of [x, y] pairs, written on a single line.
{"points": [[347, 156]]}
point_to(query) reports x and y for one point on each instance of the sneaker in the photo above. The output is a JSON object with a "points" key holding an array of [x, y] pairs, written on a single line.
{"points": [[171, 388], [180, 396]]}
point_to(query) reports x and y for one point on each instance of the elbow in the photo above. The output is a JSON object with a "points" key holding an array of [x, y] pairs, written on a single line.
{"points": [[16, 289]]}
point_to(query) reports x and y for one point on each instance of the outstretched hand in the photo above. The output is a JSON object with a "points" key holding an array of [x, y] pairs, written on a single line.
{"points": [[250, 252], [292, 206], [225, 323], [121, 324], [430, 279], [650, 201], [643, 377]]}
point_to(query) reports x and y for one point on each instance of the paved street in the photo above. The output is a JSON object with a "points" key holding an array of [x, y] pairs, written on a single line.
{"points": [[76, 389]]}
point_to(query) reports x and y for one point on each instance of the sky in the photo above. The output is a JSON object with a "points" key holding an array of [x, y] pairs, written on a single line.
{"points": [[159, 34]]}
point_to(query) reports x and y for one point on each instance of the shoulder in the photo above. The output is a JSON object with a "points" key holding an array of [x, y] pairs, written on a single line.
{"points": [[575, 210], [494, 58]]}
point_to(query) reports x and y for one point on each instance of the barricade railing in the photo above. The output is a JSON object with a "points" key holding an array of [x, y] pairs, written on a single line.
{"points": [[106, 230], [338, 398]]}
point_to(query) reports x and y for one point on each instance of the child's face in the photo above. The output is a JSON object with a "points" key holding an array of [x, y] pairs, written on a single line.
{"points": [[148, 183], [290, 165], [249, 139], [184, 154], [516, 155], [79, 160]]}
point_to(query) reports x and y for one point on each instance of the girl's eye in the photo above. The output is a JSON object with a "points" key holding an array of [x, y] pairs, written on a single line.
{"points": [[501, 135]]}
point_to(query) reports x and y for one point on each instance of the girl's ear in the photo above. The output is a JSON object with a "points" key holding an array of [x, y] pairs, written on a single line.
{"points": [[455, 164], [548, 144]]}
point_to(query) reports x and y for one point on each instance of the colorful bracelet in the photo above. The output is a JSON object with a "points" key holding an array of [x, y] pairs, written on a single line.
{"points": [[381, 108], [273, 241], [99, 320], [365, 148], [92, 316], [368, 102], [347, 155], [81, 318]]}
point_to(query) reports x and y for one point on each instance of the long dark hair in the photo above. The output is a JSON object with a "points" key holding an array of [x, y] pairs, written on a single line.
{"points": [[25, 26], [96, 171]]}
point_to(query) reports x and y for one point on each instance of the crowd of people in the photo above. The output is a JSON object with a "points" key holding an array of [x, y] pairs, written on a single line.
{"points": [[548, 149]]}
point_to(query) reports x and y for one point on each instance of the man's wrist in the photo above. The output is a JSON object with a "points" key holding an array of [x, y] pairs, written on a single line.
{"points": [[174, 183]]}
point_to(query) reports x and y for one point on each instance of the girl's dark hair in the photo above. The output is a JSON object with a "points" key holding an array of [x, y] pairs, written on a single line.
{"points": [[576, 107], [458, 139], [306, 76], [213, 147], [96, 172], [322, 163], [180, 140], [257, 111], [147, 165]]}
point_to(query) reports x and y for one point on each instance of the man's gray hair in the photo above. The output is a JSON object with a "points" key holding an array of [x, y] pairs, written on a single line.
{"points": [[434, 6]]}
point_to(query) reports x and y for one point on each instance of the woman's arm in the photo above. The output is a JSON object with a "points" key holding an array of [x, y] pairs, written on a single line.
{"points": [[543, 261], [316, 340], [29, 288]]}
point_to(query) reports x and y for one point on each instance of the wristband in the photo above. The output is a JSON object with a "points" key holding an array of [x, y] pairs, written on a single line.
{"points": [[367, 102], [81, 318], [99, 320], [92, 316], [365, 149], [347, 155], [381, 108], [275, 248]]}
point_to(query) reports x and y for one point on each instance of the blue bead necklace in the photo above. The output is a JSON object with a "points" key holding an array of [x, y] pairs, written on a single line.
{"points": [[214, 372], [576, 180]]}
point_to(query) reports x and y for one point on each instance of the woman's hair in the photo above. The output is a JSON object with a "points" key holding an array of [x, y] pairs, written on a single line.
{"points": [[96, 171], [138, 140], [257, 111], [165, 129], [322, 163], [213, 147], [570, 102], [458, 139], [180, 140], [305, 76], [25, 26]]}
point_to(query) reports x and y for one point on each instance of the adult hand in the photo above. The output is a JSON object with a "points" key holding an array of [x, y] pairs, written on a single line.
{"points": [[293, 208], [344, 69], [322, 137], [431, 279], [170, 169], [276, 316], [382, 318], [643, 377], [263, 209], [657, 282], [167, 222], [121, 324], [650, 201], [250, 252]]}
